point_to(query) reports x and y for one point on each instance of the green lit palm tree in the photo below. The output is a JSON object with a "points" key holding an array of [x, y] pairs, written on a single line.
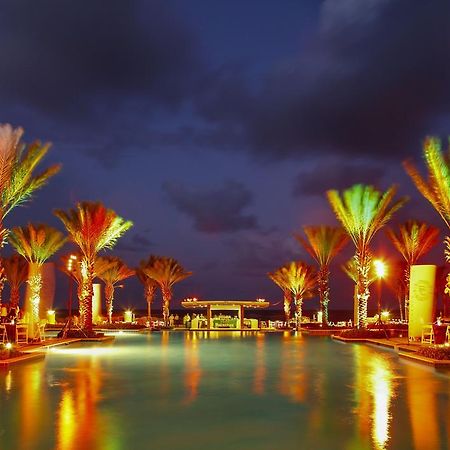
{"points": [[18, 180], [92, 227], [300, 279], [323, 244], [115, 273], [166, 272], [16, 273], [279, 278], [36, 243], [150, 285], [436, 188], [362, 211], [412, 240]]}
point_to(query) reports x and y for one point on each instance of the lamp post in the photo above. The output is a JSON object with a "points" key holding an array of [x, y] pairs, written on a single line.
{"points": [[70, 263], [380, 270]]}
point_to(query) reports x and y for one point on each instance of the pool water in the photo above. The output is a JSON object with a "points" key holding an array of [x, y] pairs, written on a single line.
{"points": [[223, 391]]}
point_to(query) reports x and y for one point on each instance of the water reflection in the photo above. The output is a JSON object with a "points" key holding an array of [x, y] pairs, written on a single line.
{"points": [[374, 390], [260, 365], [192, 370]]}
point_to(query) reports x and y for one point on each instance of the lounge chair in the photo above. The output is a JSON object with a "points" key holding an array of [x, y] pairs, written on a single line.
{"points": [[427, 334]]}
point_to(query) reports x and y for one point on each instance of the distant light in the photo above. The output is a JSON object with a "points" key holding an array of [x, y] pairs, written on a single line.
{"points": [[385, 314], [50, 312], [8, 346]]}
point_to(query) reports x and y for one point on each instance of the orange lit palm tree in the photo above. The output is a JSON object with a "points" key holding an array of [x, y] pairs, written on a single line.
{"points": [[279, 278], [150, 285], [16, 272], [166, 272], [323, 244], [117, 271], [92, 227], [300, 279], [36, 243], [18, 180], [412, 240], [362, 211], [436, 188]]}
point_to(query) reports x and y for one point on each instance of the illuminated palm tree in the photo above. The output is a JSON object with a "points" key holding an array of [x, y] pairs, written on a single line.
{"points": [[116, 272], [18, 180], [36, 243], [300, 279], [74, 272], [436, 188], [323, 244], [166, 272], [362, 211], [150, 285], [413, 240], [16, 272], [92, 227], [278, 277]]}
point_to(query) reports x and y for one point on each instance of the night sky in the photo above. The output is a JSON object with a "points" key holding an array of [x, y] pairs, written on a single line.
{"points": [[217, 126]]}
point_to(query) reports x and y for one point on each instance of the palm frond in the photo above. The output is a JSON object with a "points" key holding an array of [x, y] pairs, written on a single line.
{"points": [[166, 271]]}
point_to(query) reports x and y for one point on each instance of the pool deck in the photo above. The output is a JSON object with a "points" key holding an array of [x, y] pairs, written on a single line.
{"points": [[402, 347], [34, 351]]}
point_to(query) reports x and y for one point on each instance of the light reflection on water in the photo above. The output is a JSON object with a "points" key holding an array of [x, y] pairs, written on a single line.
{"points": [[221, 391]]}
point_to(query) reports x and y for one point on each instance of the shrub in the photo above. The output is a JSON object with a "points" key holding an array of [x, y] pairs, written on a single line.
{"points": [[439, 353], [7, 354], [361, 333]]}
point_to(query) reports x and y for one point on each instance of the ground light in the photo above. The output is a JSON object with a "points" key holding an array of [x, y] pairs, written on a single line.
{"points": [[8, 346]]}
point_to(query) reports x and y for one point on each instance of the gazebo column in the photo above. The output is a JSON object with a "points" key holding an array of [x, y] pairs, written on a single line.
{"points": [[208, 317], [241, 316]]}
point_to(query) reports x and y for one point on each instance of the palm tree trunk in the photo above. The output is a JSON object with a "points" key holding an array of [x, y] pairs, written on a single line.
{"points": [[109, 297], [35, 282], [363, 260], [14, 296], [149, 296], [88, 294], [324, 292], [167, 296], [298, 310], [287, 307]]}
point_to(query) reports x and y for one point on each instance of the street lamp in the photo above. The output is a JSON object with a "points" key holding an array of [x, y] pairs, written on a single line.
{"points": [[380, 270], [70, 262]]}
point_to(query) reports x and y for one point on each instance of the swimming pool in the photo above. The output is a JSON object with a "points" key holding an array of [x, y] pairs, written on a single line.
{"points": [[223, 391]]}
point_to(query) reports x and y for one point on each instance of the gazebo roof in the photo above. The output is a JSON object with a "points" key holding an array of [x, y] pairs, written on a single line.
{"points": [[194, 303]]}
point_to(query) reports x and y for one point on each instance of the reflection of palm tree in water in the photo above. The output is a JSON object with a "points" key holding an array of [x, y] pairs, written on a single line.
{"points": [[374, 388], [192, 372], [292, 382]]}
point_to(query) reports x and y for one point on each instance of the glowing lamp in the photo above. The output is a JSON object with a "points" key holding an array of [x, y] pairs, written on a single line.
{"points": [[8, 346], [385, 314], [380, 268], [128, 316], [51, 317]]}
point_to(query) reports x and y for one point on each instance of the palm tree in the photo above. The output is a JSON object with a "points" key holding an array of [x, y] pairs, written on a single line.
{"points": [[323, 244], [18, 181], [166, 272], [150, 285], [300, 279], [362, 211], [278, 277], [16, 272], [75, 273], [436, 189], [116, 272], [36, 243], [92, 227], [413, 240]]}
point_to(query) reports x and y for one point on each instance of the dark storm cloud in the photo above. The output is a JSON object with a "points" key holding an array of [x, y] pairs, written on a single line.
{"points": [[137, 244], [373, 80], [216, 210], [71, 58], [335, 175]]}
